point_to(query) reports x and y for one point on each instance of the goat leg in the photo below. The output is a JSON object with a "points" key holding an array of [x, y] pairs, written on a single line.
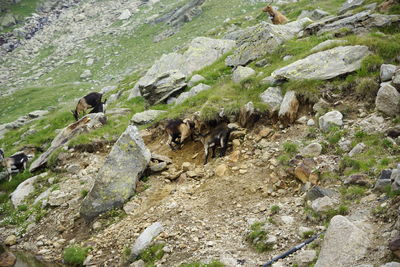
{"points": [[205, 154]]}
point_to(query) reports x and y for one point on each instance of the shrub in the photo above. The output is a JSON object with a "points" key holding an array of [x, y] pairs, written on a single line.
{"points": [[275, 209], [258, 237], [152, 254], [290, 147], [75, 255]]}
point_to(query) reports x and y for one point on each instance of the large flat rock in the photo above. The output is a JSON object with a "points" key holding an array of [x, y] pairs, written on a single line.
{"points": [[324, 65]]}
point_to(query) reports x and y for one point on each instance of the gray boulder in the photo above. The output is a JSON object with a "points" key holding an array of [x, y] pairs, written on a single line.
{"points": [[264, 38], [241, 73], [324, 65], [146, 116], [391, 264], [388, 100], [145, 239], [315, 15], [345, 243], [195, 79], [24, 189], [194, 91], [330, 119], [350, 4], [324, 204], [387, 72], [305, 257], [125, 14], [395, 178], [117, 178], [312, 150], [289, 107], [8, 20], [168, 74], [396, 79], [86, 124], [357, 149], [273, 98], [358, 23], [326, 44]]}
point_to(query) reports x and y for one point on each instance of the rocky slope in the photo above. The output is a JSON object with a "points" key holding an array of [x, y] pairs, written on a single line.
{"points": [[315, 103]]}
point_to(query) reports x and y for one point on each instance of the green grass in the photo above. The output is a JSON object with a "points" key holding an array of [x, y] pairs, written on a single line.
{"points": [[275, 209], [199, 264], [290, 147], [21, 10], [152, 254], [258, 237], [75, 255], [352, 192]]}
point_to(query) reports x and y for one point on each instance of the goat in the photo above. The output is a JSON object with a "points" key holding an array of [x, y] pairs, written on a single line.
{"points": [[99, 107], [91, 100], [219, 136], [17, 161], [178, 131]]}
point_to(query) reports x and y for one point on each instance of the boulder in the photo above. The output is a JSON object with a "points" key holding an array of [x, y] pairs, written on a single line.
{"points": [[195, 79], [387, 71], [86, 124], [326, 44], [168, 74], [24, 189], [318, 192], [7, 20], [350, 4], [264, 38], [273, 98], [391, 264], [330, 119], [146, 116], [305, 258], [388, 100], [241, 73], [116, 180], [357, 149], [11, 240], [324, 65], [315, 15], [357, 179], [145, 239], [289, 107], [396, 79], [345, 243], [395, 178], [324, 204], [7, 259], [192, 92], [125, 14], [312, 150], [360, 22], [183, 14]]}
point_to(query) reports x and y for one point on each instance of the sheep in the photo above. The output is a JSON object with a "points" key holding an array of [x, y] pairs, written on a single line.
{"points": [[178, 131], [17, 161], [91, 100], [218, 136]]}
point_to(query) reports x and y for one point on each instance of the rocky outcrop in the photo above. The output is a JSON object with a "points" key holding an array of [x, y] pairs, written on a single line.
{"points": [[86, 124], [116, 180], [21, 121], [324, 65], [388, 100], [146, 116], [360, 22], [168, 74], [262, 39], [350, 4], [315, 15], [182, 14], [24, 189], [326, 44], [345, 243]]}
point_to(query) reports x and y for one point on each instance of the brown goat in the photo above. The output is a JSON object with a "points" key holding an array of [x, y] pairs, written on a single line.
{"points": [[178, 131], [276, 16], [91, 100]]}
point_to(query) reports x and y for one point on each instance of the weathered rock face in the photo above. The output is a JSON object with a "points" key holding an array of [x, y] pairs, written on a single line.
{"points": [[116, 180], [272, 97], [396, 79], [168, 74], [86, 124], [316, 14], [360, 22], [242, 73], [344, 244], [326, 44], [330, 119], [146, 116], [289, 107], [195, 79], [262, 39], [183, 14], [324, 65], [388, 100], [194, 91]]}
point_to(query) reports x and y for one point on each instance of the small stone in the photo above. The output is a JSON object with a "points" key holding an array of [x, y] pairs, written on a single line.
{"points": [[97, 226], [324, 204], [387, 72], [312, 150], [357, 149], [358, 179], [310, 122], [305, 257], [186, 166], [242, 73], [330, 119], [304, 230], [221, 170], [11, 240]]}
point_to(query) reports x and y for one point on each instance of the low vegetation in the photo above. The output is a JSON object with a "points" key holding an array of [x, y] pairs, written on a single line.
{"points": [[75, 255]]}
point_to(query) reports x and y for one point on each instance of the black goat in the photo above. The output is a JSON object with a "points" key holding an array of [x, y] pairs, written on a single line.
{"points": [[217, 137], [16, 162], [178, 131], [91, 100]]}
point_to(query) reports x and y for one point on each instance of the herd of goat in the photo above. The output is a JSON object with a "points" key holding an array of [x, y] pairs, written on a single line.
{"points": [[212, 136]]}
